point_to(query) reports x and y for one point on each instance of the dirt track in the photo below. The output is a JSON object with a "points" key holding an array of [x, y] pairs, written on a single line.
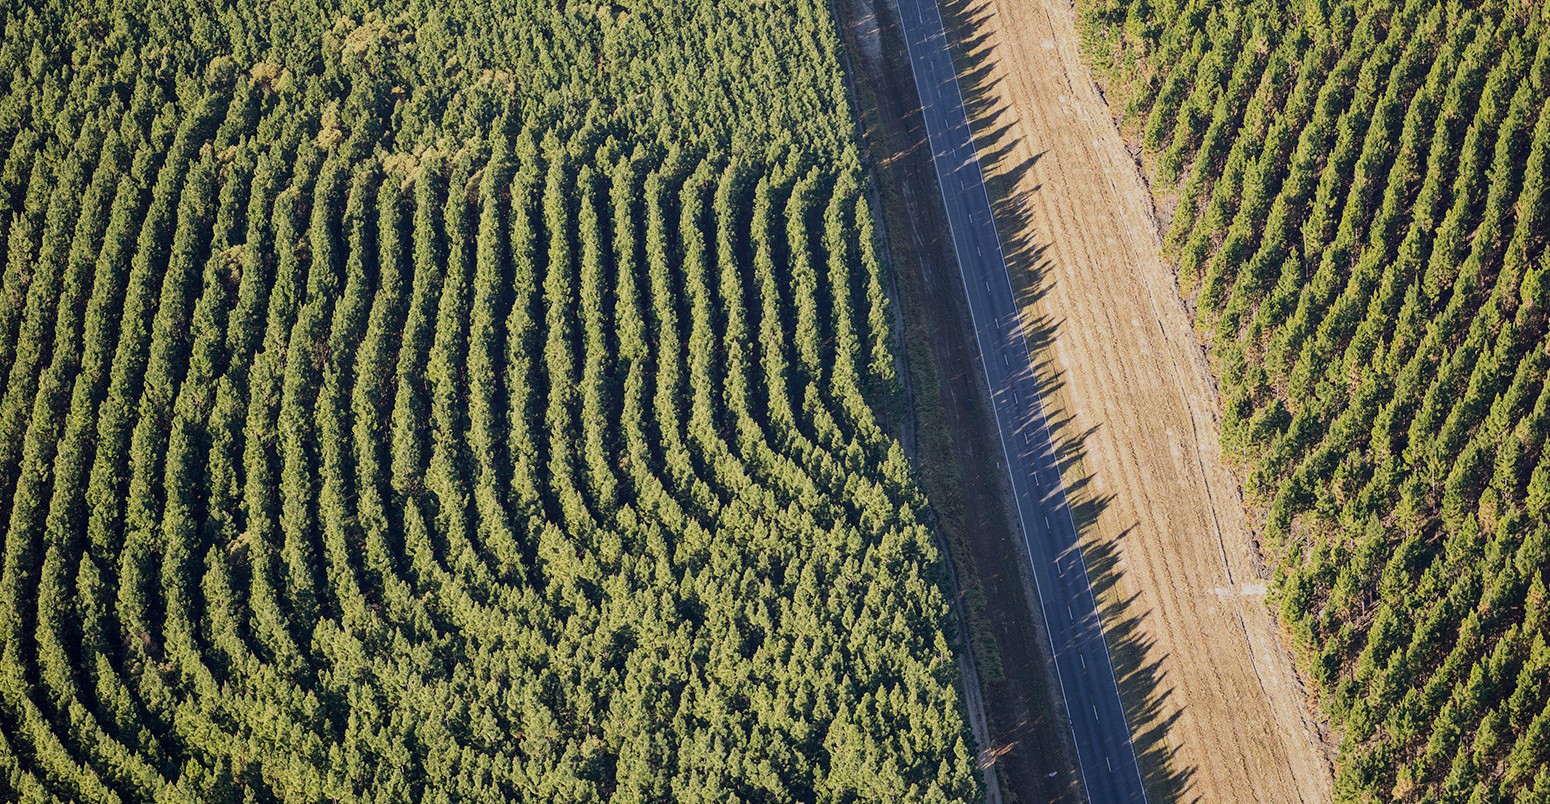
{"points": [[1211, 693]]}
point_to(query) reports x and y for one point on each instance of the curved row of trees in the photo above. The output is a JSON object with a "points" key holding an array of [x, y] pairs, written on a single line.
{"points": [[447, 402], [1363, 208]]}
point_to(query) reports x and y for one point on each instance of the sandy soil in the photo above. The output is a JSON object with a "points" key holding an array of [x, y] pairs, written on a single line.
{"points": [[1218, 711]]}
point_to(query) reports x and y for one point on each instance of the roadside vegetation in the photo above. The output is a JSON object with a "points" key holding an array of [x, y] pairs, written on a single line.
{"points": [[410, 401], [1362, 221]]}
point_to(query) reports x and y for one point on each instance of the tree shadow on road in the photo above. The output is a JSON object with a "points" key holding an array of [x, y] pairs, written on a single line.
{"points": [[1141, 673]]}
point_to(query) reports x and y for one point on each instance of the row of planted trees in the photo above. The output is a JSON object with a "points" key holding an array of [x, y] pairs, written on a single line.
{"points": [[1362, 223], [368, 432]]}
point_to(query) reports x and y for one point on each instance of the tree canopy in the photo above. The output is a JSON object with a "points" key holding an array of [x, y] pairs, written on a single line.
{"points": [[434, 401], [1362, 218]]}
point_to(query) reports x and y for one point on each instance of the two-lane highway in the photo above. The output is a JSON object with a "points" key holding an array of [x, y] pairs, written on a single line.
{"points": [[1105, 756]]}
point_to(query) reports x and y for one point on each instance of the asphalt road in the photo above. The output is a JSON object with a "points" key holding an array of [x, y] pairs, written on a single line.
{"points": [[1105, 756]]}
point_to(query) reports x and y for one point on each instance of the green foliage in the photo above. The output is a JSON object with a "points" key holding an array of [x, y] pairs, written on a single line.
{"points": [[1362, 228], [454, 401]]}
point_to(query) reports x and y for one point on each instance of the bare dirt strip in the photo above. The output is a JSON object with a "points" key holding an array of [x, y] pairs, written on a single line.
{"points": [[1217, 708]]}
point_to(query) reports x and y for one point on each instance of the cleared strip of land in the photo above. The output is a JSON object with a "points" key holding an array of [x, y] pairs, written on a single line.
{"points": [[1210, 690]]}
